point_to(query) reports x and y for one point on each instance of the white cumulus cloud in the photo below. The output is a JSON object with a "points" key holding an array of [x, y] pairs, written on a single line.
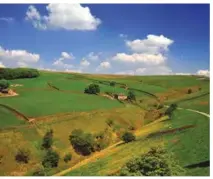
{"points": [[149, 59], [63, 16], [152, 44], [85, 63], [66, 55], [203, 72], [62, 60], [18, 56], [105, 64]]}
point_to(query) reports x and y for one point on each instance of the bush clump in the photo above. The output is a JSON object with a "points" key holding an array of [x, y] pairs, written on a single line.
{"points": [[82, 142], [47, 140], [131, 96], [128, 137], [67, 157], [112, 83], [189, 91], [92, 89], [22, 156], [50, 159], [103, 139], [156, 162]]}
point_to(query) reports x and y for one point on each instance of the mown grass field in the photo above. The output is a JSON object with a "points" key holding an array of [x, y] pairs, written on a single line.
{"points": [[69, 108]]}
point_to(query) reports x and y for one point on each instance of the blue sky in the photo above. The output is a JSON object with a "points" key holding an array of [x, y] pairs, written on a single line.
{"points": [[106, 38]]}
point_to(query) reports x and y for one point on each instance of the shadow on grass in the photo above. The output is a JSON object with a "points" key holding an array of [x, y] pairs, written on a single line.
{"points": [[170, 131], [200, 165]]}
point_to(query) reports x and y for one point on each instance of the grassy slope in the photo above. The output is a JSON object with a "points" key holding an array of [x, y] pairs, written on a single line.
{"points": [[190, 147], [30, 137], [39, 103], [52, 102], [200, 104], [8, 119]]}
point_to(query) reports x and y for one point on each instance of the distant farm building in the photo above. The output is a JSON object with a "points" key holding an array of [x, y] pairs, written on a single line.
{"points": [[122, 97]]}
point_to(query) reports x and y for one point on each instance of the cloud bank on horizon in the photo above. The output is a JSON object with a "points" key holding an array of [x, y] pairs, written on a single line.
{"points": [[145, 55]]}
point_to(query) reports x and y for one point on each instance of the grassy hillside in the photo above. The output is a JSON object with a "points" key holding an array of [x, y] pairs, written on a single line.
{"points": [[57, 101], [189, 146]]}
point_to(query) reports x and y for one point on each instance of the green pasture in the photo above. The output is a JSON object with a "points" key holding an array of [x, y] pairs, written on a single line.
{"points": [[39, 103], [8, 119]]}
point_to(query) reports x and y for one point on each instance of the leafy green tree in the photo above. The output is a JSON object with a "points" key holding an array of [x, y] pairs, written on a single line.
{"points": [[128, 137], [112, 83], [4, 84], [51, 159], [47, 140], [82, 142], [92, 89], [67, 157], [170, 110], [131, 96], [22, 156], [156, 162]]}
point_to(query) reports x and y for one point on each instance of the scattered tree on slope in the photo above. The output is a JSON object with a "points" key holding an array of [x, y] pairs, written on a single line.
{"points": [[156, 162]]}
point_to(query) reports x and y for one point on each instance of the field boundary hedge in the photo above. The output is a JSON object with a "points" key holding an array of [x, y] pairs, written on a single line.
{"points": [[15, 111]]}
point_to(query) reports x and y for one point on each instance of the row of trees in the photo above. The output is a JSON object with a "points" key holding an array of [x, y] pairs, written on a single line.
{"points": [[85, 143], [15, 73]]}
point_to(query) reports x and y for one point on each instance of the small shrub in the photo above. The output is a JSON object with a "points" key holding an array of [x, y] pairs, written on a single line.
{"points": [[116, 96], [103, 139], [140, 100], [110, 122], [22, 156], [67, 157], [131, 96], [47, 140], [99, 135], [128, 137], [112, 83], [189, 91], [131, 127], [50, 159]]}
